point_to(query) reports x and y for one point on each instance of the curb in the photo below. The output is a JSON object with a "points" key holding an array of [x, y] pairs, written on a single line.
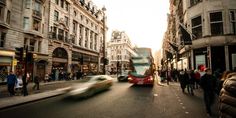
{"points": [[16, 101]]}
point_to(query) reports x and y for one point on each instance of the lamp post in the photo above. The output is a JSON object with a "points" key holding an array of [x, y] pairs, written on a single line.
{"points": [[104, 39]]}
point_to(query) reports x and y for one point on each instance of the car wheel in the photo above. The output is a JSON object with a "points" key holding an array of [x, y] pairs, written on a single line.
{"points": [[90, 93]]}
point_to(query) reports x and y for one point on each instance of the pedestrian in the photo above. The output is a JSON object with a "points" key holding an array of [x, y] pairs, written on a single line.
{"points": [[36, 83], [190, 82], [11, 81], [227, 98], [197, 77], [208, 84], [46, 78], [183, 79]]}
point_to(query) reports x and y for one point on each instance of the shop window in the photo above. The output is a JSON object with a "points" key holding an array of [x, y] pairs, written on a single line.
{"points": [[233, 21], [197, 27], [216, 23], [2, 40]]}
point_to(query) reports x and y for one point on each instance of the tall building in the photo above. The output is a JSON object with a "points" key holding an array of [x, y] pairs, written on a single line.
{"points": [[119, 51], [62, 35], [212, 26]]}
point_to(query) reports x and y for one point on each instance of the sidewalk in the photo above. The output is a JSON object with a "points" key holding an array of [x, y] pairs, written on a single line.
{"points": [[47, 90]]}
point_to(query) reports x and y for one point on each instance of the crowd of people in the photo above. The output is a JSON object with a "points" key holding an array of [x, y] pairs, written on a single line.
{"points": [[212, 84]]}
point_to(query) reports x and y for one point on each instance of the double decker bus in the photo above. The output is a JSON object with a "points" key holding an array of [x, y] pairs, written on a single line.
{"points": [[142, 67]]}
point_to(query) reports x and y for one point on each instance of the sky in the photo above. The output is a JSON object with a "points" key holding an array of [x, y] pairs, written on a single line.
{"points": [[144, 21]]}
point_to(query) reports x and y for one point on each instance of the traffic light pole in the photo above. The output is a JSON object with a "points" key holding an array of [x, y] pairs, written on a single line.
{"points": [[25, 92]]}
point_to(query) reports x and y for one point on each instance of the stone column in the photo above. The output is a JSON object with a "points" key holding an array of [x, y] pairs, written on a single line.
{"points": [[192, 59], [209, 56], [69, 61], [227, 57]]}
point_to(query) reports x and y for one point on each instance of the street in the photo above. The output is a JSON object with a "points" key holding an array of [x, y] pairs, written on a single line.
{"points": [[123, 100]]}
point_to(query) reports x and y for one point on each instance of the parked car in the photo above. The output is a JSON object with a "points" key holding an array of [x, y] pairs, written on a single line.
{"points": [[91, 85]]}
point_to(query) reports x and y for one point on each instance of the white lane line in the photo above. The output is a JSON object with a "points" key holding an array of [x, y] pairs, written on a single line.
{"points": [[183, 107], [181, 103], [155, 95], [186, 112]]}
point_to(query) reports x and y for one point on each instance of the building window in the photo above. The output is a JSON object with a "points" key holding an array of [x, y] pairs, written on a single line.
{"points": [[60, 34], [31, 45], [197, 27], [67, 6], [36, 25], [8, 16], [86, 38], [2, 40], [80, 35], [1, 10], [26, 23], [67, 21], [66, 37], [37, 6], [216, 23], [57, 2], [233, 21], [56, 15], [194, 2], [95, 42], [75, 27], [91, 40], [62, 3], [27, 4], [39, 46], [42, 28]]}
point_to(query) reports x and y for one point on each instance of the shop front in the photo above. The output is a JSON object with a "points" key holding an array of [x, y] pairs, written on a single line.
{"points": [[6, 64]]}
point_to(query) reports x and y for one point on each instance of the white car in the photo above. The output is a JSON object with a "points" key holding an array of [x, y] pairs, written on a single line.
{"points": [[93, 85]]}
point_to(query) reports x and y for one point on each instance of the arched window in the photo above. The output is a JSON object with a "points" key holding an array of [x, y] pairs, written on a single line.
{"points": [[60, 53]]}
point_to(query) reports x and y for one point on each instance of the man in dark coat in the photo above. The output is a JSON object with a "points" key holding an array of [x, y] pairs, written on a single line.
{"points": [[208, 84], [11, 81], [183, 78], [36, 83]]}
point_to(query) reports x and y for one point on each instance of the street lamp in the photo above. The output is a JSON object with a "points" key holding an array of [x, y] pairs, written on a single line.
{"points": [[104, 38]]}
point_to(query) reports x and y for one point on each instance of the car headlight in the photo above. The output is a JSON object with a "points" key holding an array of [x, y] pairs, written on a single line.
{"points": [[129, 78]]}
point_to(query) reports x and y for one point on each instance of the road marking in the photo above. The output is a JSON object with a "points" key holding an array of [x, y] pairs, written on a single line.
{"points": [[181, 103], [186, 112], [183, 107], [179, 100], [155, 95]]}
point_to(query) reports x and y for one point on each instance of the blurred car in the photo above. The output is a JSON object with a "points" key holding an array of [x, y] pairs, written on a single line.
{"points": [[90, 86], [124, 76]]}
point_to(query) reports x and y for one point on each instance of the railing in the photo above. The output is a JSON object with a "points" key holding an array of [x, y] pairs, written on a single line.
{"points": [[37, 14]]}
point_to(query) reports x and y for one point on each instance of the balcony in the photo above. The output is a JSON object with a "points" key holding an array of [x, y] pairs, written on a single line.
{"points": [[3, 2], [37, 14]]}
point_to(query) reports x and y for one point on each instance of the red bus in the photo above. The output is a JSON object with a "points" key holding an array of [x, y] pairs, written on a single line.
{"points": [[142, 67]]}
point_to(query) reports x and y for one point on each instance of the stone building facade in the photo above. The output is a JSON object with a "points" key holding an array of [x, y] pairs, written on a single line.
{"points": [[62, 35], [119, 50], [212, 25]]}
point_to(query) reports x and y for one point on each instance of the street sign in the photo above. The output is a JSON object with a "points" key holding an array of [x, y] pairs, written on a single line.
{"points": [[14, 62]]}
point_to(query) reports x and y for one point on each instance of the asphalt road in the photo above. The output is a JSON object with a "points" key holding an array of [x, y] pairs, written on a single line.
{"points": [[123, 100]]}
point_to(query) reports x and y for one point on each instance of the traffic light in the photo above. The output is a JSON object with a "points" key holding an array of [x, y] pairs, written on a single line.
{"points": [[19, 54], [29, 57]]}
